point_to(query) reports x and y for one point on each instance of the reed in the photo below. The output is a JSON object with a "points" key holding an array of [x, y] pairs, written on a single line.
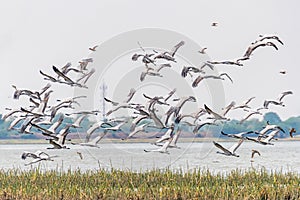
{"points": [[155, 184]]}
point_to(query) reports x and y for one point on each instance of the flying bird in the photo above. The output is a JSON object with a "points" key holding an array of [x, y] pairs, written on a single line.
{"points": [[292, 130], [202, 51], [254, 152], [231, 150], [93, 48]]}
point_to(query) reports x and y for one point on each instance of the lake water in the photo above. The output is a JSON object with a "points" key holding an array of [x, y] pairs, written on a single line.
{"points": [[282, 156]]}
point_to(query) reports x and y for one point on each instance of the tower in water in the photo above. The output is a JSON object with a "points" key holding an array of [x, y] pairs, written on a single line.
{"points": [[103, 89]]}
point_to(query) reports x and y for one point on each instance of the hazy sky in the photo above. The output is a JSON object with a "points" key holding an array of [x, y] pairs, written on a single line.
{"points": [[35, 35]]}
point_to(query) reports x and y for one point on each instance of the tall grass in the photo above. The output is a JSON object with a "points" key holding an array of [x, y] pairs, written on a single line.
{"points": [[156, 184]]}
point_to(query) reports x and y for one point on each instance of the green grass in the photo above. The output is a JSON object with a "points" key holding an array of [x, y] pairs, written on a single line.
{"points": [[156, 184]]}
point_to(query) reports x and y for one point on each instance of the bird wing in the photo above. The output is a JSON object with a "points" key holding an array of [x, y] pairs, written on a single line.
{"points": [[209, 111], [284, 94], [197, 81], [86, 76], [236, 146], [248, 101], [60, 74], [170, 94], [225, 74], [48, 76], [254, 152], [176, 47], [110, 101], [163, 66], [130, 95], [222, 148]]}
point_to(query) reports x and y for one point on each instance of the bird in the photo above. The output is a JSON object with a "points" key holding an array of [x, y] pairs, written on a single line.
{"points": [[79, 154], [283, 72], [85, 77], [274, 102], [176, 109], [77, 122], [93, 48], [169, 55], [214, 24], [292, 130], [278, 101], [249, 115], [200, 78], [237, 135], [203, 50], [254, 152], [228, 108], [137, 129], [231, 150], [37, 156], [268, 128], [168, 134], [84, 63], [214, 115], [116, 127], [266, 140], [58, 142], [244, 104], [162, 149], [94, 142], [226, 62], [254, 46], [283, 94], [93, 128], [50, 131], [187, 70], [199, 126], [274, 37]]}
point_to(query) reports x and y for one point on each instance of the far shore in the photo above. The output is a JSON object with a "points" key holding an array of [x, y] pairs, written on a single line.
{"points": [[137, 140]]}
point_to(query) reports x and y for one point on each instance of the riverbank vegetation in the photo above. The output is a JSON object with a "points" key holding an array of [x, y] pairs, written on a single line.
{"points": [[155, 184]]}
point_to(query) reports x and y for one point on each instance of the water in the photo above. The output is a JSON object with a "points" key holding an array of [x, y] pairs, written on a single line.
{"points": [[282, 156]]}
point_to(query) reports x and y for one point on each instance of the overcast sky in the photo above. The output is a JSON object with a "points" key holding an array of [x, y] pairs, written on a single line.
{"points": [[35, 35]]}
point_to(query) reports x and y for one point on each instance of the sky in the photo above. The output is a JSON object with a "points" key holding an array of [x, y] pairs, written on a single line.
{"points": [[38, 34]]}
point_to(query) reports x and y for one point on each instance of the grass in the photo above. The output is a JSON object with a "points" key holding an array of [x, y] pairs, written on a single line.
{"points": [[155, 184]]}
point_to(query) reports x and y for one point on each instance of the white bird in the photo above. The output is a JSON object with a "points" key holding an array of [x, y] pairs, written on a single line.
{"points": [[199, 126], [94, 142], [214, 115], [231, 150], [168, 134], [237, 135], [200, 78], [249, 115], [255, 45], [173, 143], [78, 121], [162, 149], [92, 129], [51, 131], [169, 55], [176, 109], [137, 129], [268, 128], [244, 104], [116, 127], [58, 142], [37, 156], [266, 140]]}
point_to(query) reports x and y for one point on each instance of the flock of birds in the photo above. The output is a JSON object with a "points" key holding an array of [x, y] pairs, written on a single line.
{"points": [[41, 118]]}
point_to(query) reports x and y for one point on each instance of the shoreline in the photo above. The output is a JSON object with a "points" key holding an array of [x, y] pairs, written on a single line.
{"points": [[138, 140]]}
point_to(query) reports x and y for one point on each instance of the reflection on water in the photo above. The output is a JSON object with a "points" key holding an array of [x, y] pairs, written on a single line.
{"points": [[283, 156]]}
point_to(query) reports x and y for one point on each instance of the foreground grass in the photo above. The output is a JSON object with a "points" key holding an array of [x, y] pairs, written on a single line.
{"points": [[156, 184]]}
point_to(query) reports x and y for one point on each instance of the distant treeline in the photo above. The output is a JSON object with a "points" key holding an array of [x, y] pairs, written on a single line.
{"points": [[232, 126]]}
